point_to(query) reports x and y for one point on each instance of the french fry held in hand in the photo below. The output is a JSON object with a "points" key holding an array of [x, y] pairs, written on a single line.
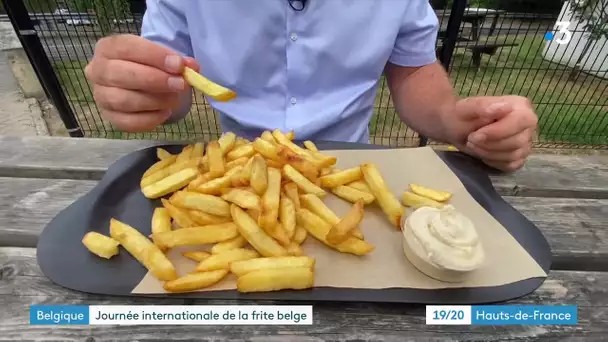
{"points": [[142, 249], [195, 281], [100, 245], [208, 87], [410, 199], [435, 195], [385, 198]]}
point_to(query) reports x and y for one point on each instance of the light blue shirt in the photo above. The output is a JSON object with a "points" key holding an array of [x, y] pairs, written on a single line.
{"points": [[315, 71]]}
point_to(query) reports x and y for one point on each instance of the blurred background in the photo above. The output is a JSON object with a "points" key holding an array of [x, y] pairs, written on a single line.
{"points": [[554, 52]]}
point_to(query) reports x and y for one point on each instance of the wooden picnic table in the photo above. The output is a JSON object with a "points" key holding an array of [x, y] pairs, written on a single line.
{"points": [[565, 196]]}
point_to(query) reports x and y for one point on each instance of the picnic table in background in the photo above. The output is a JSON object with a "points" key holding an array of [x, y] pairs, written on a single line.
{"points": [[476, 41], [566, 196]]}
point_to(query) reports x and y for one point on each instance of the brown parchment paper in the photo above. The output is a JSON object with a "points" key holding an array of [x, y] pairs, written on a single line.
{"points": [[387, 267]]}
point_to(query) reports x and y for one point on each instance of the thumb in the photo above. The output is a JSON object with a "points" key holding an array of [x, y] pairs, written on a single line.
{"points": [[192, 64]]}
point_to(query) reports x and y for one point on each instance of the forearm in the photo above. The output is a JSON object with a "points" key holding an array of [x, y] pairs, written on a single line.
{"points": [[182, 109], [423, 98]]}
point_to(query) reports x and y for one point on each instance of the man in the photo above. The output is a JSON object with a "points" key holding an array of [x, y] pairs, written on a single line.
{"points": [[315, 71]]}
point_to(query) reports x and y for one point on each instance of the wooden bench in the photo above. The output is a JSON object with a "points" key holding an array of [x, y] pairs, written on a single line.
{"points": [[566, 196]]}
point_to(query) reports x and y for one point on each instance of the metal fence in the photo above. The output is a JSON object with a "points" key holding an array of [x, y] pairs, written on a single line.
{"points": [[491, 47]]}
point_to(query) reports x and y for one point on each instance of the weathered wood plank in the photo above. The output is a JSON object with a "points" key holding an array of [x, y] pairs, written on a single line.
{"points": [[23, 285], [545, 175], [575, 228]]}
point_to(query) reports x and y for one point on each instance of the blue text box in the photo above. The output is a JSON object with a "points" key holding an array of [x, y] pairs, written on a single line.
{"points": [[59, 314], [524, 314]]}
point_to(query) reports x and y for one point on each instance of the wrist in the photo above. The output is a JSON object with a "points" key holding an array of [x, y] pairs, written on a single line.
{"points": [[447, 116]]}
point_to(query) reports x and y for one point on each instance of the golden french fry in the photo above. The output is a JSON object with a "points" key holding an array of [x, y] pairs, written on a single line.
{"points": [[243, 267], [163, 154], [435, 195], [410, 199], [294, 249], [142, 249], [197, 256], [227, 142], [180, 215], [352, 195], [361, 186], [270, 200], [256, 237], [100, 245], [168, 171], [278, 233], [195, 281], [200, 179], [385, 198], [266, 135], [311, 146], [202, 202], [208, 87], [205, 219], [342, 231], [244, 151], [185, 154], [276, 279], [267, 149], [291, 191], [197, 235], [274, 164], [159, 165], [243, 198], [302, 182], [215, 186], [161, 222], [287, 216], [198, 150], [170, 184], [223, 259], [259, 175], [319, 228], [319, 208], [240, 142], [243, 177], [290, 135], [283, 140], [305, 167], [300, 235], [237, 242], [340, 178], [217, 166], [237, 162], [326, 171]]}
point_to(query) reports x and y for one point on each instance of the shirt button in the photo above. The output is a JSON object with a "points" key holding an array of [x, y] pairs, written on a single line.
{"points": [[294, 37], [293, 101]]}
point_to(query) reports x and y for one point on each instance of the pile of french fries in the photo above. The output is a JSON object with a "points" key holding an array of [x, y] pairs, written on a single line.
{"points": [[254, 203]]}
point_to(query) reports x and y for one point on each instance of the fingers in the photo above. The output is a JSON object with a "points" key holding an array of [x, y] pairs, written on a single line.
{"points": [[137, 122], [141, 51], [506, 166], [192, 64], [523, 138], [508, 126], [134, 76], [131, 101], [482, 109], [520, 152]]}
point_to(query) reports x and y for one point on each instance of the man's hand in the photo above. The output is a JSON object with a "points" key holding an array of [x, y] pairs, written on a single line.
{"points": [[498, 130], [136, 82]]}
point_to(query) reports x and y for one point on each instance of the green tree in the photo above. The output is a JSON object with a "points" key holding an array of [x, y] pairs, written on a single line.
{"points": [[107, 11]]}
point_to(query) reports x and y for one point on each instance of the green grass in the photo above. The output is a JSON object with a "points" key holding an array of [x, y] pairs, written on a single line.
{"points": [[570, 111]]}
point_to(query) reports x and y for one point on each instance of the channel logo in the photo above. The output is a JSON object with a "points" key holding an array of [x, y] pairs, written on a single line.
{"points": [[562, 35]]}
